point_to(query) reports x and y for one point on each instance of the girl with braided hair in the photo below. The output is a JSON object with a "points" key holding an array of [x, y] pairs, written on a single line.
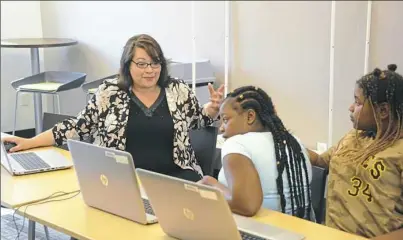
{"points": [[263, 164], [365, 188]]}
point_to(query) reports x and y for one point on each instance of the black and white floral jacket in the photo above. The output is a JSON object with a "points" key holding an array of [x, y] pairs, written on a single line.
{"points": [[106, 115]]}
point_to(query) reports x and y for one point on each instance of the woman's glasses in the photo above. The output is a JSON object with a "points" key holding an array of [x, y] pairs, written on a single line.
{"points": [[144, 65]]}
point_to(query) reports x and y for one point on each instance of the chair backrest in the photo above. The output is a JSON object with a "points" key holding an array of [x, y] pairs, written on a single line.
{"points": [[318, 186], [204, 142], [95, 84], [50, 119]]}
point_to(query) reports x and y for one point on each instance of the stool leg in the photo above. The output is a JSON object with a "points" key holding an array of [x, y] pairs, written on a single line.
{"points": [[54, 102], [58, 103], [15, 110], [46, 232], [31, 230]]}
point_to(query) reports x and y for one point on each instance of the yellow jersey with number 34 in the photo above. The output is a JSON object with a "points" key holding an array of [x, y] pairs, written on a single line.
{"points": [[365, 198]]}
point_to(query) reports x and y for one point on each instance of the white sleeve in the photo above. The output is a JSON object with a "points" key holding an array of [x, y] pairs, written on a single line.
{"points": [[234, 145]]}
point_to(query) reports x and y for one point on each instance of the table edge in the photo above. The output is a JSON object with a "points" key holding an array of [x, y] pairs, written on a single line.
{"points": [[52, 225], [39, 45]]}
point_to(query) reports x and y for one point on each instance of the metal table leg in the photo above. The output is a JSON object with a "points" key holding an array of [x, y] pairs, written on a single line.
{"points": [[46, 232], [35, 68], [37, 96], [31, 230]]}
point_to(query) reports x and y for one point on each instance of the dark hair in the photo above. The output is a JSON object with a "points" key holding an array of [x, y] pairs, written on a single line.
{"points": [[250, 97], [151, 46], [383, 87]]}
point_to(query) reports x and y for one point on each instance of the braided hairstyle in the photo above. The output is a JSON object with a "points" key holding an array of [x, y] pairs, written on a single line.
{"points": [[294, 163], [382, 87]]}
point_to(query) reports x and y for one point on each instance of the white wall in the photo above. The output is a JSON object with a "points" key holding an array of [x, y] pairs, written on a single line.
{"points": [[102, 28], [283, 47], [18, 19], [387, 35], [350, 32]]}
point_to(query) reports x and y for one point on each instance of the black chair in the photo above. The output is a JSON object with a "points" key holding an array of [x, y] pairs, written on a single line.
{"points": [[204, 142], [50, 119], [318, 186]]}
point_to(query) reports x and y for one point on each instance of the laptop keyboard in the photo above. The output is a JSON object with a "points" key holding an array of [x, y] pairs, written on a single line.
{"points": [[147, 207], [248, 236], [30, 161]]}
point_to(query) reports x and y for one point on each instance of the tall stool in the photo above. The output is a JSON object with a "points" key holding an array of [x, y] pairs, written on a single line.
{"points": [[51, 82]]}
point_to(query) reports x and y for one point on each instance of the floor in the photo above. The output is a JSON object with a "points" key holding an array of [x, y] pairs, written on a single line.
{"points": [[9, 231]]}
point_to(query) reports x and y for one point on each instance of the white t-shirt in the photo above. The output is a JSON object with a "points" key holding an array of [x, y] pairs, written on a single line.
{"points": [[259, 148]]}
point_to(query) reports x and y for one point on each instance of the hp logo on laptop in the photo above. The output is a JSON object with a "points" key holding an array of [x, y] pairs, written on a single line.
{"points": [[188, 214], [104, 180]]}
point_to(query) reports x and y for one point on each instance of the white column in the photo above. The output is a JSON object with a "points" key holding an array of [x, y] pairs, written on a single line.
{"points": [[227, 10], [331, 77], [193, 47], [368, 36]]}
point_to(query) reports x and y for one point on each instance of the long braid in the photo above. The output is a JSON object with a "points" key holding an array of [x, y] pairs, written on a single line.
{"points": [[282, 161], [277, 130], [300, 156], [294, 188], [297, 180], [296, 158], [280, 168], [294, 162]]}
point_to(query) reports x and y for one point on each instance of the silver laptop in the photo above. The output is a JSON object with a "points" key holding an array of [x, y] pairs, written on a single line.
{"points": [[33, 161], [108, 181], [198, 212]]}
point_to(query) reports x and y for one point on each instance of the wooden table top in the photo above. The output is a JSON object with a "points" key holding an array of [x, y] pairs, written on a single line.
{"points": [[20, 190], [396, 235], [75, 218]]}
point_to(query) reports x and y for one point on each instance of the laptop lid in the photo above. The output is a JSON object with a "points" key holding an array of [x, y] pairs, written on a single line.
{"points": [[196, 212], [193, 211], [108, 180], [5, 161]]}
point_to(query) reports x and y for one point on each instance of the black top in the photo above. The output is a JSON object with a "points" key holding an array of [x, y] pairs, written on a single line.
{"points": [[150, 134]]}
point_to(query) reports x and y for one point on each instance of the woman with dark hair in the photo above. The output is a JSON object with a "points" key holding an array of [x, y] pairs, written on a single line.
{"points": [[143, 111]]}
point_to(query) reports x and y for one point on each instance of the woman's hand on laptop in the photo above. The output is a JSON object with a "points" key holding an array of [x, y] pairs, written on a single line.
{"points": [[42, 140], [208, 180], [21, 143]]}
